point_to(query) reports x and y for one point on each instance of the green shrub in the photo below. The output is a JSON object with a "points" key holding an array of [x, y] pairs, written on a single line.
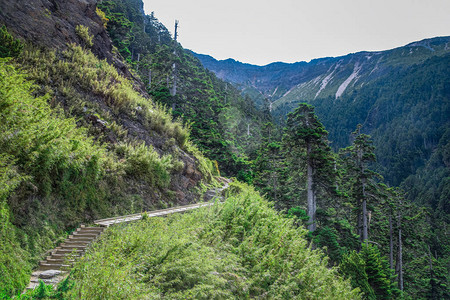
{"points": [[9, 46], [14, 269], [102, 16], [54, 159], [80, 67], [83, 32], [144, 162], [49, 147]]}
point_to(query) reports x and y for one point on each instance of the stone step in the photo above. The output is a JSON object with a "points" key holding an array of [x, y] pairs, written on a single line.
{"points": [[62, 256], [80, 238], [84, 235], [73, 246], [53, 262], [76, 242], [90, 230], [32, 285], [59, 260], [62, 251], [36, 280], [50, 274], [50, 266]]}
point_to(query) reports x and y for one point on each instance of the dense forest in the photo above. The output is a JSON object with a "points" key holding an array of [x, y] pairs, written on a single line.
{"points": [[120, 118]]}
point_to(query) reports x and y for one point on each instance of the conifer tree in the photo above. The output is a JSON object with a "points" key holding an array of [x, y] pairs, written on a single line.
{"points": [[9, 46], [362, 179], [306, 138], [270, 166]]}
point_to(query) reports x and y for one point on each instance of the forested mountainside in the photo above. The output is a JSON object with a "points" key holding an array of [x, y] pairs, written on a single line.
{"points": [[400, 97], [103, 113], [286, 85], [224, 125]]}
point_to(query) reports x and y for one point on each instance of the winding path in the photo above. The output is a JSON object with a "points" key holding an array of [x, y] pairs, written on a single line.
{"points": [[57, 264]]}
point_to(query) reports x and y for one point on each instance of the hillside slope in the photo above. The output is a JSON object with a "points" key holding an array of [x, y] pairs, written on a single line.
{"points": [[224, 125], [81, 139], [239, 249]]}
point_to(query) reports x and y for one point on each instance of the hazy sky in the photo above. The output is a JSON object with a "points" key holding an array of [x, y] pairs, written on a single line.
{"points": [[260, 32]]}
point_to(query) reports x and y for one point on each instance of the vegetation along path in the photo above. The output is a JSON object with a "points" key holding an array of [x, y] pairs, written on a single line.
{"points": [[55, 267]]}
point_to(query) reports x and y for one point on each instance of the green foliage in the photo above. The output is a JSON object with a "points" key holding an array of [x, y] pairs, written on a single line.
{"points": [[342, 183], [53, 175], [102, 16], [81, 69], [47, 291], [83, 33], [218, 116], [370, 272], [144, 162], [46, 152], [353, 266], [43, 143], [329, 238], [14, 267], [236, 250], [309, 156], [9, 46], [304, 126], [298, 214]]}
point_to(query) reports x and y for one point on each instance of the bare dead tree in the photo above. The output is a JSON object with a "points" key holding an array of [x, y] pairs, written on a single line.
{"points": [[175, 36]]}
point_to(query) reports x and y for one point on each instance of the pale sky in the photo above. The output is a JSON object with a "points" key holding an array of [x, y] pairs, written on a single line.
{"points": [[261, 31]]}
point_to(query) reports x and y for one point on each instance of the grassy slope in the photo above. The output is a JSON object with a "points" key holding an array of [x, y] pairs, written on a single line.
{"points": [[217, 114], [60, 172], [238, 249]]}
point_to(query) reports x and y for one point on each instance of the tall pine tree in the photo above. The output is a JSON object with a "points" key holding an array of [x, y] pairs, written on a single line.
{"points": [[306, 141]]}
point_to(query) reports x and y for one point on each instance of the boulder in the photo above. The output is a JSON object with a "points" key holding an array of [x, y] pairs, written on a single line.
{"points": [[49, 274]]}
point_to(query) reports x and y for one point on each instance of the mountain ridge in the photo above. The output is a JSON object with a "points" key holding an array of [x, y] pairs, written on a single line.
{"points": [[284, 83], [414, 43]]}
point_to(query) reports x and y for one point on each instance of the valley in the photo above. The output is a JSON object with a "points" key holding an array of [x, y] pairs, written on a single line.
{"points": [[333, 174]]}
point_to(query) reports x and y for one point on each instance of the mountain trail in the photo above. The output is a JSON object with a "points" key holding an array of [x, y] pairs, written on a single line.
{"points": [[59, 261]]}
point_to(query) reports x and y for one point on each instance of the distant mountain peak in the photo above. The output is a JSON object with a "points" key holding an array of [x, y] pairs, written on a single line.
{"points": [[322, 77]]}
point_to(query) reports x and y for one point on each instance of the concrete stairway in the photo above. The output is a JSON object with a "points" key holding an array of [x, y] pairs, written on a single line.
{"points": [[54, 268]]}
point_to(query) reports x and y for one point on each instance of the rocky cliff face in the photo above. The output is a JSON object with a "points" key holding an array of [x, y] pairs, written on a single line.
{"points": [[50, 23]]}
